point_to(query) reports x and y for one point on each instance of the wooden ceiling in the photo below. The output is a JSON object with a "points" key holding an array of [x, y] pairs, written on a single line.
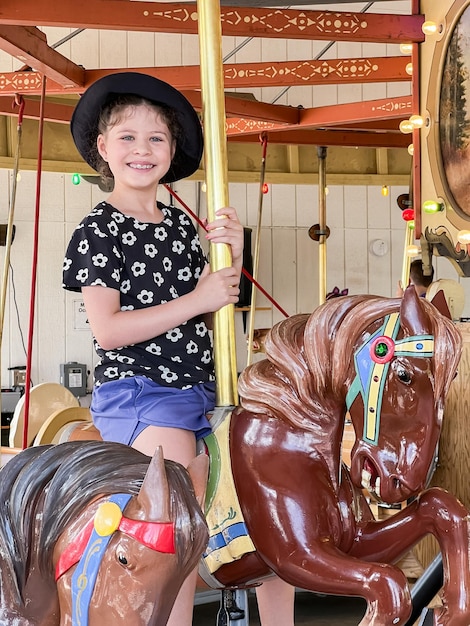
{"points": [[372, 127]]}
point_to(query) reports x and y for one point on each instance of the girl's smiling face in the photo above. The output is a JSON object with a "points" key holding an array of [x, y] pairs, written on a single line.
{"points": [[138, 147]]}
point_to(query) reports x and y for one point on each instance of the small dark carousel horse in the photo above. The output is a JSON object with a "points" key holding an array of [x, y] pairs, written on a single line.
{"points": [[390, 363], [96, 533]]}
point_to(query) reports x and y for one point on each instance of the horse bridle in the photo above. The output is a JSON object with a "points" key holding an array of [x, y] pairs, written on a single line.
{"points": [[372, 361], [88, 548]]}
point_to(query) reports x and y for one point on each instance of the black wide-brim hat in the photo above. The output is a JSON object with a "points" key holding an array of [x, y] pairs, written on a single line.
{"points": [[84, 122]]}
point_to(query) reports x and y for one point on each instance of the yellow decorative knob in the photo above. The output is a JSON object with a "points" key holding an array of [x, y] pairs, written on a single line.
{"points": [[107, 518]]}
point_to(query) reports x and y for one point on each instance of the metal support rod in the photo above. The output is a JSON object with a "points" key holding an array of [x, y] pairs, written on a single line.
{"points": [[425, 588], [321, 152], [251, 325], [215, 165]]}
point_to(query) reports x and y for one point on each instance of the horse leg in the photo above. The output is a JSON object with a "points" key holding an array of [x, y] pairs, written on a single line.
{"points": [[438, 513]]}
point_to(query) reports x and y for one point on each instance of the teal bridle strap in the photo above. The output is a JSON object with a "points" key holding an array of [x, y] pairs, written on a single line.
{"points": [[372, 361]]}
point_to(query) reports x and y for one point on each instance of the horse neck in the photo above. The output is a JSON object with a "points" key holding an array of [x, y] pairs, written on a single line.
{"points": [[329, 446]]}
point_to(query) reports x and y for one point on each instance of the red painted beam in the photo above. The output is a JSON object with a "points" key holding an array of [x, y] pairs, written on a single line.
{"points": [[236, 75], [236, 21]]}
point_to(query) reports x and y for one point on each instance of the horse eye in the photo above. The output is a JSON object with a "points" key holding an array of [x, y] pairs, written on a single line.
{"points": [[403, 375], [122, 558]]}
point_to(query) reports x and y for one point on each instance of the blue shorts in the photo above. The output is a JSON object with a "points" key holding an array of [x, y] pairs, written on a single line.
{"points": [[122, 409]]}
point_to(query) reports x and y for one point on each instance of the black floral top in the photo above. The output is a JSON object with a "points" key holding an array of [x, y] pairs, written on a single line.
{"points": [[149, 264]]}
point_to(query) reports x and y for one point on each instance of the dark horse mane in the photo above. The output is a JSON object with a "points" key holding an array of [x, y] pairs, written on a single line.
{"points": [[55, 483], [307, 367]]}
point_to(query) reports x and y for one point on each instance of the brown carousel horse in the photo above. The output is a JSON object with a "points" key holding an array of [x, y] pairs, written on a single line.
{"points": [[390, 363], [86, 530]]}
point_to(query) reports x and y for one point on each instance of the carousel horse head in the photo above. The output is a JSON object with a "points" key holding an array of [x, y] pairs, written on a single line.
{"points": [[389, 362], [115, 531]]}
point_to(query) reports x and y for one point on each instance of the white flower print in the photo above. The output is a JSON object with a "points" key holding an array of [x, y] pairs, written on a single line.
{"points": [[174, 334], [98, 283], [112, 356], [117, 217], [195, 244], [201, 329], [83, 246], [129, 238], [125, 286], [82, 275], [116, 252], [129, 307], [158, 279], [167, 375], [184, 274], [67, 264], [197, 272], [183, 231], [206, 357], [97, 231], [177, 247], [113, 228], [176, 359], [138, 269], [125, 359], [146, 297], [140, 225], [126, 374], [111, 372], [116, 275], [154, 349], [151, 250], [191, 347], [167, 264], [173, 292], [99, 260], [160, 233]]}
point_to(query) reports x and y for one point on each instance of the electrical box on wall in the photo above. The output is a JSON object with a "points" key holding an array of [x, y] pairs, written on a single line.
{"points": [[73, 376]]}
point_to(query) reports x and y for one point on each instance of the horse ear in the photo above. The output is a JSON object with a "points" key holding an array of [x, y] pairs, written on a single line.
{"points": [[153, 501], [198, 471], [440, 302], [413, 315]]}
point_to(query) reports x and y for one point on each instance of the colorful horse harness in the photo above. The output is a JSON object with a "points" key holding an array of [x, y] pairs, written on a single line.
{"points": [[89, 546], [372, 361]]}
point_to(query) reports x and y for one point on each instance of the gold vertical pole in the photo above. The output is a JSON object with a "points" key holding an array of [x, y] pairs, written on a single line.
{"points": [[405, 272], [321, 151], [215, 165]]}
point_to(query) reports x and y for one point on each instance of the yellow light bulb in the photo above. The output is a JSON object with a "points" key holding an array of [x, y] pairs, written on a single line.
{"points": [[429, 28], [406, 127], [409, 69], [385, 190], [411, 149], [406, 48], [412, 250], [417, 121], [463, 236]]}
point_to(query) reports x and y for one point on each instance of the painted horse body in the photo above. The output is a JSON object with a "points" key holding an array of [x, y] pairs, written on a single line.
{"points": [[60, 509], [390, 362]]}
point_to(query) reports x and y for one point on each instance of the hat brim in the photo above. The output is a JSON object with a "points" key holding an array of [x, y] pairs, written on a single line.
{"points": [[84, 122]]}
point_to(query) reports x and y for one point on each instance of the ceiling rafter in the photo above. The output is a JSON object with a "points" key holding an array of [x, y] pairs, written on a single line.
{"points": [[361, 124], [29, 45], [181, 17], [236, 75]]}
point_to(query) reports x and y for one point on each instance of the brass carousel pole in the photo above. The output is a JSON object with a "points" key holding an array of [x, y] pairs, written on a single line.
{"points": [[215, 165], [322, 236]]}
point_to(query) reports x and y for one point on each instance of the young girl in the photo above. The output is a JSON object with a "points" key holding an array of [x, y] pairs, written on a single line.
{"points": [[144, 279]]}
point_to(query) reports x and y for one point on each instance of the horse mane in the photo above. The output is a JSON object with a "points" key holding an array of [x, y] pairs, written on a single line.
{"points": [[57, 482], [307, 369]]}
